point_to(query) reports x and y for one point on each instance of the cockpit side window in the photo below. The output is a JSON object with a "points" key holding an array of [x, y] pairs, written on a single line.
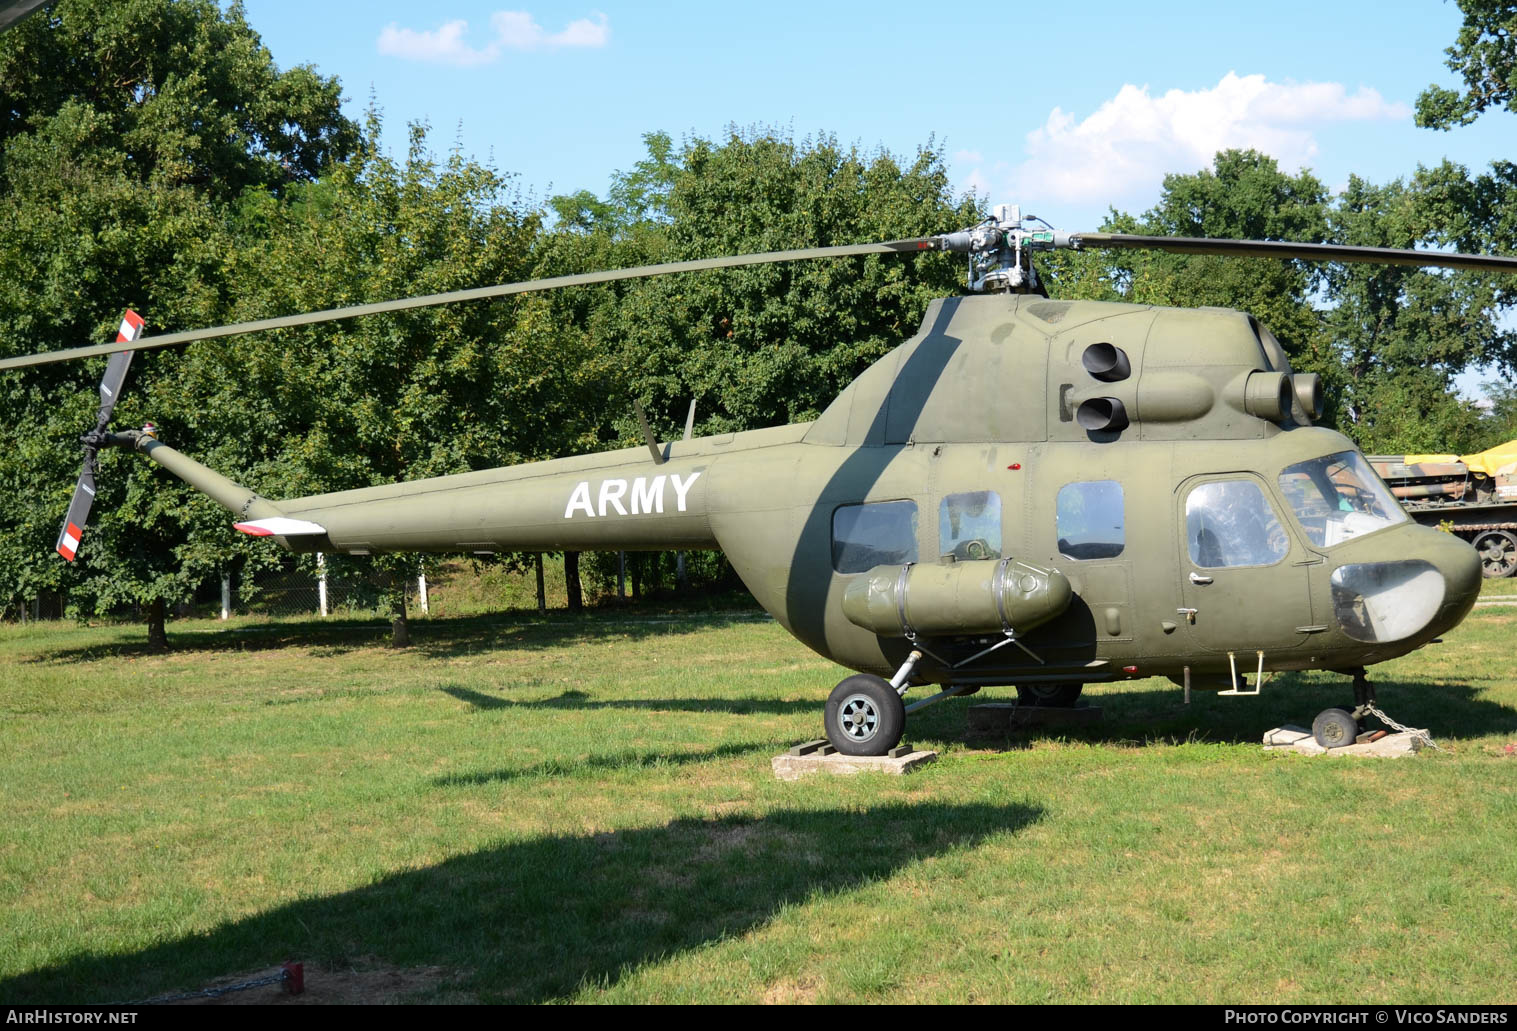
{"points": [[1339, 497], [1230, 523]]}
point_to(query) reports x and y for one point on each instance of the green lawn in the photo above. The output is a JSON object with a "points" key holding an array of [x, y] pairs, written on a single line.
{"points": [[582, 809]]}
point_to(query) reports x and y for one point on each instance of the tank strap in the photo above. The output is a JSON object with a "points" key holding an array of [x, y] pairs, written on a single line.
{"points": [[998, 588], [900, 601]]}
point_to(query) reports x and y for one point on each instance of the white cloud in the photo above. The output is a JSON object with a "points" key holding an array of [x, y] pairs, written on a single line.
{"points": [[514, 30], [517, 30], [445, 45], [1126, 146], [972, 157]]}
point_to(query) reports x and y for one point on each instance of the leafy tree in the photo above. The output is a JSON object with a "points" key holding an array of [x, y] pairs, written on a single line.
{"points": [[393, 397], [1485, 56], [769, 344], [1402, 334], [128, 130]]}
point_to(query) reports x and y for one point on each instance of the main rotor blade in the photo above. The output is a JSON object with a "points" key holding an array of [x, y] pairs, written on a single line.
{"points": [[928, 243], [1307, 251]]}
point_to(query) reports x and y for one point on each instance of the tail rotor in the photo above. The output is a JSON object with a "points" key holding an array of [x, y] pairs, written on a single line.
{"points": [[110, 391]]}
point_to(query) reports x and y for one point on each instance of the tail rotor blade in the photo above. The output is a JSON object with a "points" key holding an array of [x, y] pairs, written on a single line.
{"points": [[78, 510], [110, 385], [110, 392], [115, 369]]}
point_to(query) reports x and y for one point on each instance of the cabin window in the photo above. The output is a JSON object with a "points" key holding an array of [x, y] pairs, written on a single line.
{"points": [[1229, 523], [969, 526], [882, 533], [1090, 520]]}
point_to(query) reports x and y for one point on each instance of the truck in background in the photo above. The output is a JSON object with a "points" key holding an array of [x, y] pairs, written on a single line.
{"points": [[1473, 496]]}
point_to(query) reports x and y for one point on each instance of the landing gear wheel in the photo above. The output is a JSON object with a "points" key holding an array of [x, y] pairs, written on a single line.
{"points": [[1049, 696], [1334, 728], [1498, 553], [865, 716]]}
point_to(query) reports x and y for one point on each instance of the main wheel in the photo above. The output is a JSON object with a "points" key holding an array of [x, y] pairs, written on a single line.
{"points": [[1334, 728], [865, 716], [1498, 552], [1052, 696]]}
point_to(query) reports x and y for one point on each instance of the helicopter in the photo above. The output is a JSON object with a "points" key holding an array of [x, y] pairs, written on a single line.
{"points": [[1029, 491]]}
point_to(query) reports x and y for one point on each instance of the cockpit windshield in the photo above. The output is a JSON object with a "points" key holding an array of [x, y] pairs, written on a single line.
{"points": [[1339, 497]]}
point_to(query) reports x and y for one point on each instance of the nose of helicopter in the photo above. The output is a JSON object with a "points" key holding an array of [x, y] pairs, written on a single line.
{"points": [[1409, 586], [1459, 563]]}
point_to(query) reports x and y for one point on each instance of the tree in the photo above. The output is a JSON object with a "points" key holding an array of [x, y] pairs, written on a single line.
{"points": [[769, 344], [1485, 56], [1400, 333], [128, 130], [1499, 424], [394, 397]]}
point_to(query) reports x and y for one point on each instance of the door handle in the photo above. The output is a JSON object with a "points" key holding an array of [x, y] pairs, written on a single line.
{"points": [[1197, 578]]}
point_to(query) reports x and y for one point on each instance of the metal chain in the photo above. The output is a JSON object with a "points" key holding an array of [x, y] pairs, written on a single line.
{"points": [[1383, 718], [214, 993]]}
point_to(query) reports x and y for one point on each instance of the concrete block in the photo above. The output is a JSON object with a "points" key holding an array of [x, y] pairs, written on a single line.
{"points": [[1390, 746], [1005, 716], [794, 767], [1284, 739]]}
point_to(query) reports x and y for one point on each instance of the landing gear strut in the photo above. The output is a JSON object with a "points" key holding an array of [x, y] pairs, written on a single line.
{"points": [[866, 715]]}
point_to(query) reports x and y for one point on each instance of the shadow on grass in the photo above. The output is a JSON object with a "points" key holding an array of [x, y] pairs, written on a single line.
{"points": [[627, 760], [1451, 711], [443, 637], [535, 921], [572, 700]]}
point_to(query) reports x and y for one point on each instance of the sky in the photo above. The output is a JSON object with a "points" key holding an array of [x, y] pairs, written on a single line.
{"points": [[1066, 109]]}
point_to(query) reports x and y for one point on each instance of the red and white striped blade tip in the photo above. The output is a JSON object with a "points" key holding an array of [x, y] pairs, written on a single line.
{"points": [[131, 327], [279, 526], [68, 544]]}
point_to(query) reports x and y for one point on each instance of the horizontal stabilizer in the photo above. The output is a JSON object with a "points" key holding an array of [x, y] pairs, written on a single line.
{"points": [[279, 526]]}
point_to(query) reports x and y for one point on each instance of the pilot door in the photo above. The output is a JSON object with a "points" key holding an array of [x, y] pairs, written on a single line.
{"points": [[1243, 574]]}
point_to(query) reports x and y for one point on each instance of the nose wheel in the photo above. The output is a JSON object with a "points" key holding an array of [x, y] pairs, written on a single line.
{"points": [[865, 716], [1335, 728]]}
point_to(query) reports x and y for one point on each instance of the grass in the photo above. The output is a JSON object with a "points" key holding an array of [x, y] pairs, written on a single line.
{"points": [[532, 810]]}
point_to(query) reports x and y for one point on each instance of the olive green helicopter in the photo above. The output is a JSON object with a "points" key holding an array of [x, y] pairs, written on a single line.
{"points": [[1029, 491]]}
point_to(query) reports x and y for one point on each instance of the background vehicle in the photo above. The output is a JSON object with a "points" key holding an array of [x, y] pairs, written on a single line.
{"points": [[1474, 496]]}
